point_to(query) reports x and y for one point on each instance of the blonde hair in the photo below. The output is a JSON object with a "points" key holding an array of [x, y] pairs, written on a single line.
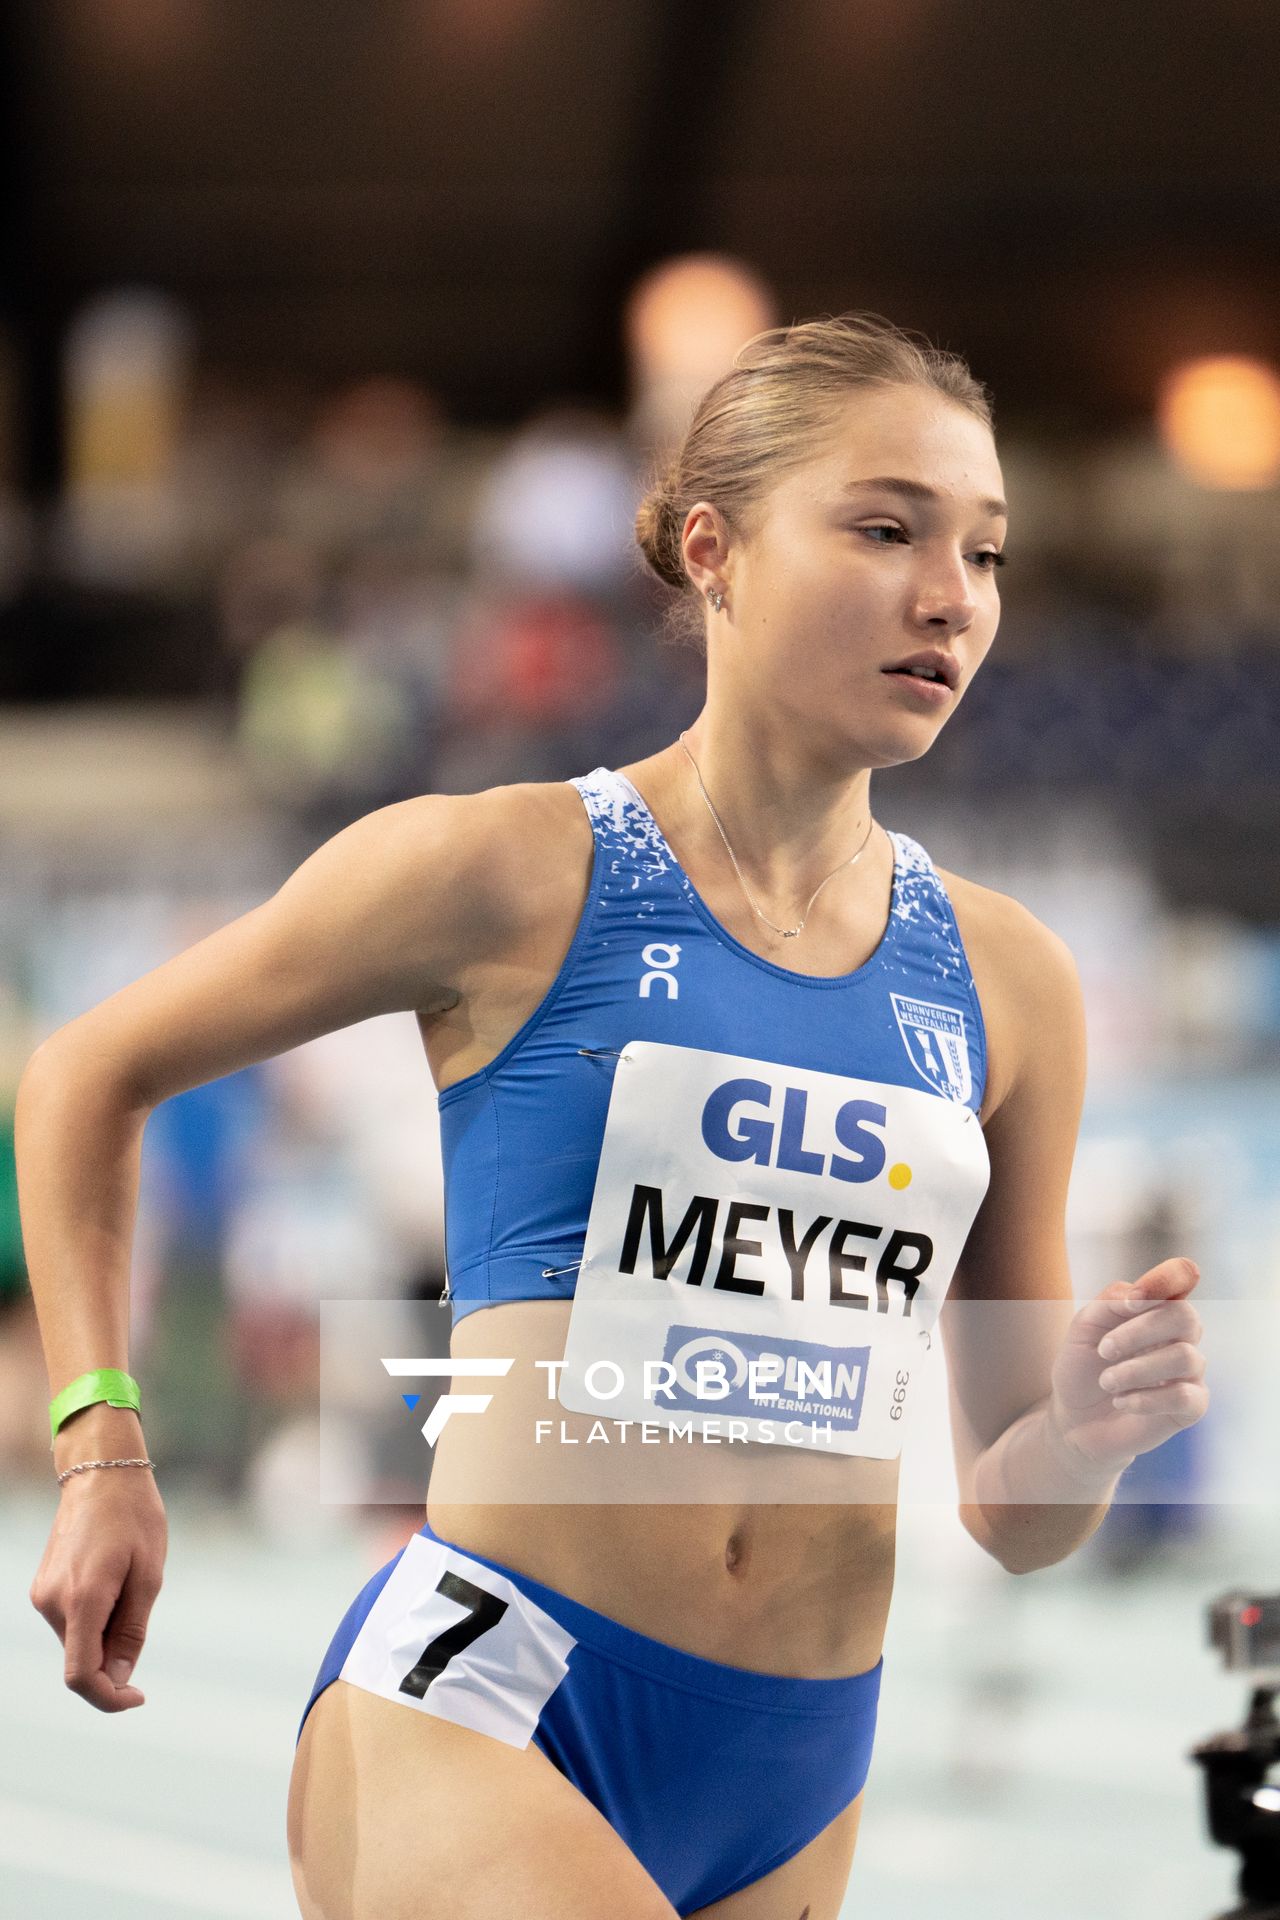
{"points": [[760, 420]]}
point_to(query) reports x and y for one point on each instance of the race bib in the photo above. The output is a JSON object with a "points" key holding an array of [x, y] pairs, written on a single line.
{"points": [[768, 1249]]}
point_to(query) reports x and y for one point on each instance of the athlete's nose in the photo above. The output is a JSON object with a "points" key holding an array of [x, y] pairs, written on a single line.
{"points": [[946, 599], [953, 612]]}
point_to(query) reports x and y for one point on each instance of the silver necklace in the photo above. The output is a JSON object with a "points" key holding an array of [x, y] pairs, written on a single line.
{"points": [[788, 933]]}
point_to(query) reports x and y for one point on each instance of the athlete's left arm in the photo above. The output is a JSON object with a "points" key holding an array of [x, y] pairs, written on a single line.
{"points": [[1010, 1302]]}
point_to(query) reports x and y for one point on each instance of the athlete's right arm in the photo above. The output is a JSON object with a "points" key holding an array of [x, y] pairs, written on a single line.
{"points": [[380, 918]]}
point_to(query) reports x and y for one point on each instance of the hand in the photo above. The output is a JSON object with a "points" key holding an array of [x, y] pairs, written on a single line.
{"points": [[99, 1578], [1153, 1367]]}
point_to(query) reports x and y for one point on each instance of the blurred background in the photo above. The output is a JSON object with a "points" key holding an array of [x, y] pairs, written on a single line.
{"points": [[334, 346]]}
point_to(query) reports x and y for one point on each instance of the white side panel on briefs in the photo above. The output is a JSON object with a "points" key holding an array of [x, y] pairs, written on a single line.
{"points": [[456, 1639]]}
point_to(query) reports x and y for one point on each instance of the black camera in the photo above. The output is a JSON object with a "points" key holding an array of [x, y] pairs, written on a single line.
{"points": [[1243, 1809]]}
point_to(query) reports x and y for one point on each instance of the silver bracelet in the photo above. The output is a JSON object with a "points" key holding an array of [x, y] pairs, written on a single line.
{"points": [[86, 1464]]}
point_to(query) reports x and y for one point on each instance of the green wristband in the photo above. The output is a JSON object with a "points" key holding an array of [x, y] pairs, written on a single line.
{"points": [[108, 1383]]}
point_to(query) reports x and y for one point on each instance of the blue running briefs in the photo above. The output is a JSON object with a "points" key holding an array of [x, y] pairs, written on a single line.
{"points": [[712, 1775]]}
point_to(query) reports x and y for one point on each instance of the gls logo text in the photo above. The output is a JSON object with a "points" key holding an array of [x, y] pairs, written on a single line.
{"points": [[663, 958], [433, 1368], [733, 1131]]}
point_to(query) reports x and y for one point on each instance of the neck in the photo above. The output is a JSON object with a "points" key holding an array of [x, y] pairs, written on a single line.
{"points": [[790, 819]]}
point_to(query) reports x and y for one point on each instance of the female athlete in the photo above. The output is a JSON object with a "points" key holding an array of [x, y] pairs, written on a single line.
{"points": [[736, 1087]]}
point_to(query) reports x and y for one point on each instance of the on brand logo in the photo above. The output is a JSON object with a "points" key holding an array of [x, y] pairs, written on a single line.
{"points": [[663, 958]]}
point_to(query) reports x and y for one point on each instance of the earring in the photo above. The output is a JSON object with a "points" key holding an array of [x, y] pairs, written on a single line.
{"points": [[716, 596]]}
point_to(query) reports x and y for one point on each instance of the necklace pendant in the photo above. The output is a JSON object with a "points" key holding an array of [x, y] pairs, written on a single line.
{"points": [[787, 933]]}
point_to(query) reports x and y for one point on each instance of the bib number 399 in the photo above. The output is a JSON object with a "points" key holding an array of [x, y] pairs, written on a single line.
{"points": [[899, 1395]]}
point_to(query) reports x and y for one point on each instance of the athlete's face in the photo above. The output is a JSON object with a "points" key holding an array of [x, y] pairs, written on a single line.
{"points": [[845, 575]]}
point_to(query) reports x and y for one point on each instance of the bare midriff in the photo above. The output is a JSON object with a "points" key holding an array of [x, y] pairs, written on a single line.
{"points": [[774, 1557]]}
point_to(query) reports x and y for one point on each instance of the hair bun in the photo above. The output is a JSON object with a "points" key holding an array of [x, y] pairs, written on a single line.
{"points": [[658, 536]]}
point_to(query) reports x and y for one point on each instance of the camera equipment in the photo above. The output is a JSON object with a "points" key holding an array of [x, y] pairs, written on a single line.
{"points": [[1243, 1808]]}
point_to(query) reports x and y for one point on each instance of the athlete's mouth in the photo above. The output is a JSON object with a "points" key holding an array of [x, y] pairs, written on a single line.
{"points": [[931, 663], [934, 693]]}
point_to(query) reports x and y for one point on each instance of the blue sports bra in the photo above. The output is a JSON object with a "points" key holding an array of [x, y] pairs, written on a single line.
{"points": [[521, 1137]]}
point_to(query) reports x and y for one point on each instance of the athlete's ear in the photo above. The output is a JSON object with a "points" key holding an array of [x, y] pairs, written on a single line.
{"points": [[705, 544]]}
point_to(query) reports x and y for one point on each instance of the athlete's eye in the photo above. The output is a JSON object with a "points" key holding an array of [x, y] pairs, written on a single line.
{"points": [[991, 557], [988, 555]]}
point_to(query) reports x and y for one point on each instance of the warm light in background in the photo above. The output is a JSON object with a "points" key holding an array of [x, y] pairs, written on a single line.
{"points": [[1219, 418], [685, 319]]}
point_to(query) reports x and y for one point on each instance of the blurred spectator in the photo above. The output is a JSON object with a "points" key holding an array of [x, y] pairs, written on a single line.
{"points": [[127, 377], [558, 506], [320, 719], [373, 468], [534, 661]]}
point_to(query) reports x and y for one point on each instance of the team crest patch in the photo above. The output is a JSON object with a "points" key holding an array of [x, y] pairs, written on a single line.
{"points": [[935, 1040]]}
